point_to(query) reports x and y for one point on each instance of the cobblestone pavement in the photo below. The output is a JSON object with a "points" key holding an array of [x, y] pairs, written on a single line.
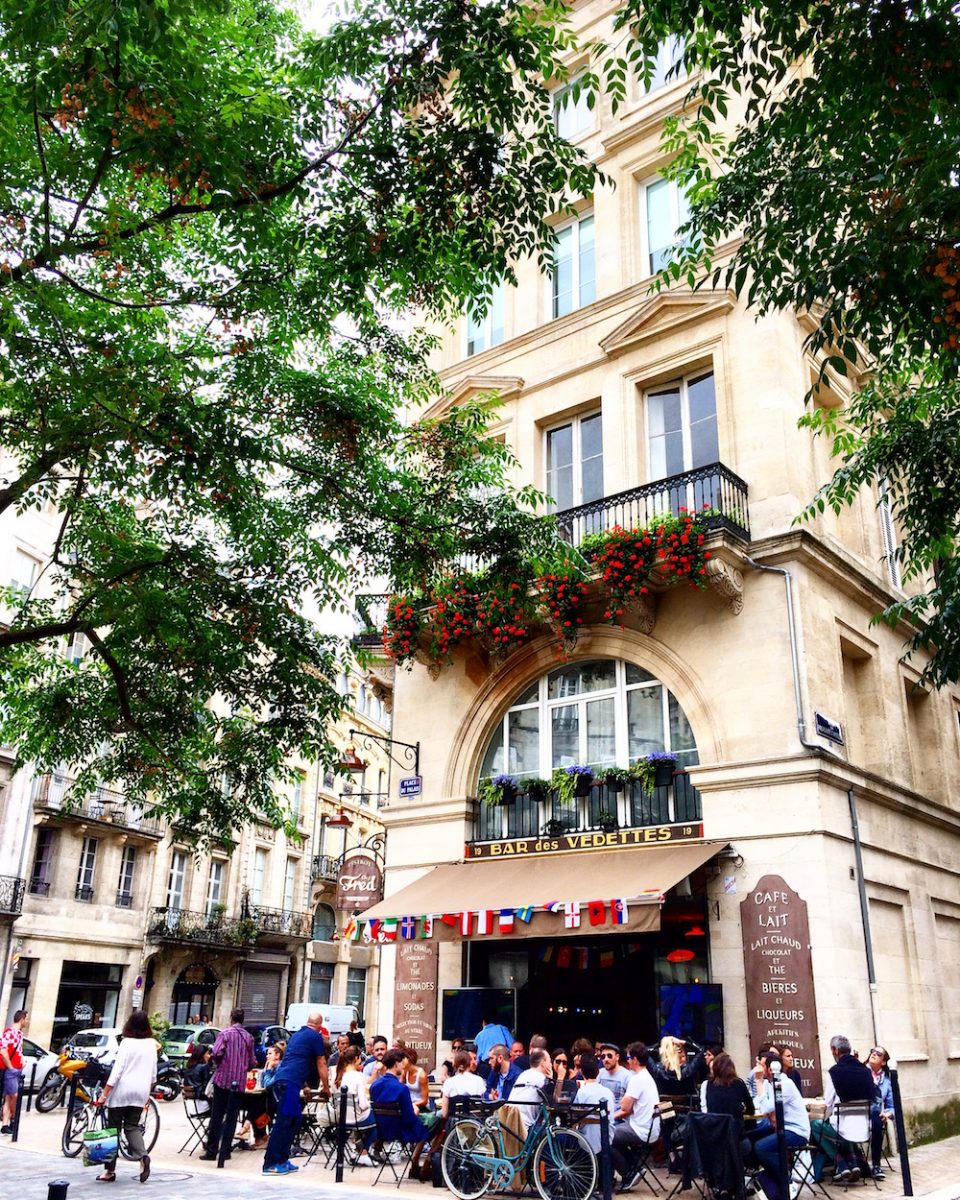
{"points": [[27, 1167]]}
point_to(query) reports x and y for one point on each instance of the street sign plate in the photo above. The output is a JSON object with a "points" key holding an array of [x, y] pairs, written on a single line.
{"points": [[411, 786]]}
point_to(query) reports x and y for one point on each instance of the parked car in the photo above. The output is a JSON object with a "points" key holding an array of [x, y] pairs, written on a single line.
{"points": [[180, 1041], [263, 1037], [336, 1017], [45, 1061], [101, 1044]]}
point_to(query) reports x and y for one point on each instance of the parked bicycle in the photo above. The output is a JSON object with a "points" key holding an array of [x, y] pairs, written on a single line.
{"points": [[90, 1115], [474, 1159]]}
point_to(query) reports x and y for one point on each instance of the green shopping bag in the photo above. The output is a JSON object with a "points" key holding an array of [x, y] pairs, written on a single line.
{"points": [[99, 1146]]}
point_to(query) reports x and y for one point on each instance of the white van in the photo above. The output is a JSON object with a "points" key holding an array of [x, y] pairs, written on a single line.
{"points": [[336, 1017]]}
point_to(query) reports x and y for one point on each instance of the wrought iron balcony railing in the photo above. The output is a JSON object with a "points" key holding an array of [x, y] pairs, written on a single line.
{"points": [[280, 922], [324, 866], [183, 926], [603, 810], [714, 488], [53, 792], [84, 892], [39, 887], [370, 616], [11, 894]]}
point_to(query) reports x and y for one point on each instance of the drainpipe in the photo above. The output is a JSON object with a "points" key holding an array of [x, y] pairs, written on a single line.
{"points": [[864, 910], [794, 654]]}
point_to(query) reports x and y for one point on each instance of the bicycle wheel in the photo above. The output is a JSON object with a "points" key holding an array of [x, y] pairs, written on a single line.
{"points": [[462, 1173], [564, 1166], [149, 1127], [51, 1093], [76, 1125]]}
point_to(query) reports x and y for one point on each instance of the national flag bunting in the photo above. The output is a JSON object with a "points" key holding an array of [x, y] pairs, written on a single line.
{"points": [[505, 920], [351, 931], [606, 958], [371, 931], [597, 910], [485, 921], [451, 919], [553, 906], [466, 923], [408, 928], [618, 912], [583, 959], [524, 914], [388, 929], [426, 926], [563, 956], [571, 914]]}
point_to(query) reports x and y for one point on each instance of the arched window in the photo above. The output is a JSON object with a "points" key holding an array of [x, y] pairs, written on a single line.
{"points": [[324, 923], [599, 713]]}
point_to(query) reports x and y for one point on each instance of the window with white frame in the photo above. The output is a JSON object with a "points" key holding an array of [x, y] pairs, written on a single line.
{"points": [[128, 866], [574, 276], [289, 883], [296, 797], [357, 988], [665, 209], [41, 875], [215, 886], [485, 328], [87, 869], [26, 568], [599, 713], [669, 54], [572, 113], [176, 879], [78, 646], [259, 873], [888, 532], [574, 453], [682, 425]]}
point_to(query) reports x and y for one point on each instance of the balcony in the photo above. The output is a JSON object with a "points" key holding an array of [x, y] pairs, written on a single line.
{"points": [[280, 923], [180, 926], [602, 811], [324, 867], [370, 616], [84, 893], [11, 895], [51, 793]]}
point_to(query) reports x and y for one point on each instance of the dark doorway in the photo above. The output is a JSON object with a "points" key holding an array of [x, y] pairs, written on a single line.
{"points": [[194, 995]]}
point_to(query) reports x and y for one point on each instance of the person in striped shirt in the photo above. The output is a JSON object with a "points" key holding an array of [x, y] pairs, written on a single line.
{"points": [[234, 1055]]}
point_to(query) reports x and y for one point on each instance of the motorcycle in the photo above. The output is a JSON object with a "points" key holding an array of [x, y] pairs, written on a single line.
{"points": [[169, 1083], [53, 1090]]}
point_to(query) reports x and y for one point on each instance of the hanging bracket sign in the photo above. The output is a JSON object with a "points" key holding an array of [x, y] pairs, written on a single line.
{"points": [[359, 883]]}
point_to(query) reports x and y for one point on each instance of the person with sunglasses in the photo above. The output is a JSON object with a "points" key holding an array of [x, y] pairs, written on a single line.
{"points": [[637, 1111], [881, 1110], [612, 1074], [565, 1088]]}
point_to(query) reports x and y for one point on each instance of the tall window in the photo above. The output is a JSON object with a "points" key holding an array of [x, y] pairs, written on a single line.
{"points": [[128, 864], [87, 869], [571, 110], [888, 531], [666, 208], [176, 879], [574, 273], [600, 712], [42, 872], [321, 983], [214, 885], [289, 883], [25, 571], [669, 54], [357, 987], [486, 329], [324, 923], [259, 872], [682, 426], [296, 799], [575, 461]]}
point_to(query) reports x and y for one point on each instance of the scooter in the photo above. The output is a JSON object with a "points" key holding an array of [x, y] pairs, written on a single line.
{"points": [[53, 1090], [169, 1083]]}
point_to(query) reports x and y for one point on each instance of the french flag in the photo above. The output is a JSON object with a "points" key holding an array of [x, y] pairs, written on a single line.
{"points": [[506, 920]]}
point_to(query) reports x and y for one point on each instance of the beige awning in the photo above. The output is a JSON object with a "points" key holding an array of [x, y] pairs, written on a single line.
{"points": [[641, 875]]}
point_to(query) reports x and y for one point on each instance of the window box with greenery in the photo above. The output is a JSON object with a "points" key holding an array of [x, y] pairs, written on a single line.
{"points": [[664, 765], [607, 820], [536, 788], [572, 782], [614, 778], [500, 789]]}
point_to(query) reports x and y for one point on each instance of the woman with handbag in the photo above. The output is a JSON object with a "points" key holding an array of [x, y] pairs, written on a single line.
{"points": [[128, 1089]]}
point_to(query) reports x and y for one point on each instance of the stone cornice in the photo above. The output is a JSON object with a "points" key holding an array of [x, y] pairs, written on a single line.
{"points": [[663, 314]]}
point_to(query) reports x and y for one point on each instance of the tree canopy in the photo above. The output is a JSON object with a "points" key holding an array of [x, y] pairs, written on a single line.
{"points": [[823, 136], [210, 218]]}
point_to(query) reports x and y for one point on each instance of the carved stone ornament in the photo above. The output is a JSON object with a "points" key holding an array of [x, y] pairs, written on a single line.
{"points": [[727, 582]]}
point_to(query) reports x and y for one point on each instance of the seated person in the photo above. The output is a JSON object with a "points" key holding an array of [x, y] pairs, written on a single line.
{"points": [[260, 1106], [637, 1112], [591, 1091], [196, 1074], [389, 1088], [502, 1073], [726, 1092], [530, 1087], [462, 1083], [881, 1110], [848, 1081], [796, 1122]]}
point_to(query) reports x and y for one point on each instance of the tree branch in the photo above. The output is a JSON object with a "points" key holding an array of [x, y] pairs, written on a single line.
{"points": [[46, 180]]}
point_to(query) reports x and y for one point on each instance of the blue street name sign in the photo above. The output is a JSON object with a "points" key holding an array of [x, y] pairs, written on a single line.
{"points": [[411, 786]]}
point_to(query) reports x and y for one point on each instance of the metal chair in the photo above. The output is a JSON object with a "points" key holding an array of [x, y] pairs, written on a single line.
{"points": [[852, 1123], [393, 1150], [197, 1110]]}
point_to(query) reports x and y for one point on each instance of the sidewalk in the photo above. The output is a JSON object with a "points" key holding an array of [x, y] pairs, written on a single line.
{"points": [[27, 1167]]}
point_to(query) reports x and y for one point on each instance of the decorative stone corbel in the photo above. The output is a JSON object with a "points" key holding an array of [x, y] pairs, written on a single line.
{"points": [[727, 582]]}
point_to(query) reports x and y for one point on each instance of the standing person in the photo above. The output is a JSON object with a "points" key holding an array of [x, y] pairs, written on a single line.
{"points": [[638, 1111], [234, 1056], [491, 1034], [356, 1037], [128, 1089], [305, 1061], [11, 1055]]}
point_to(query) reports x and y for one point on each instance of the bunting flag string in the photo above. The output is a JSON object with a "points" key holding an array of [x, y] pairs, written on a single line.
{"points": [[485, 921], [408, 928], [351, 931], [597, 912], [426, 926], [524, 914], [505, 920], [571, 914]]}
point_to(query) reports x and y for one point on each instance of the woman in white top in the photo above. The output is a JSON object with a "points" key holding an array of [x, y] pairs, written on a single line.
{"points": [[128, 1089], [350, 1076], [462, 1083]]}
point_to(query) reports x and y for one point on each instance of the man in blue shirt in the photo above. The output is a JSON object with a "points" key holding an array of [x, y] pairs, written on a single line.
{"points": [[305, 1061], [491, 1034], [388, 1088], [503, 1072]]}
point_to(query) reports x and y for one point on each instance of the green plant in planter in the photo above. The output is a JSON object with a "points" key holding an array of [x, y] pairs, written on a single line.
{"points": [[643, 771], [500, 789], [606, 819], [536, 788], [555, 828], [614, 778], [569, 782]]}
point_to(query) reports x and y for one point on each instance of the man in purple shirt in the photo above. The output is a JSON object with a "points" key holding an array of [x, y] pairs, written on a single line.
{"points": [[233, 1053]]}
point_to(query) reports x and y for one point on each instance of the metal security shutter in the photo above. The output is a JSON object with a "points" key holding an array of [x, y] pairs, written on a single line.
{"points": [[260, 995]]}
